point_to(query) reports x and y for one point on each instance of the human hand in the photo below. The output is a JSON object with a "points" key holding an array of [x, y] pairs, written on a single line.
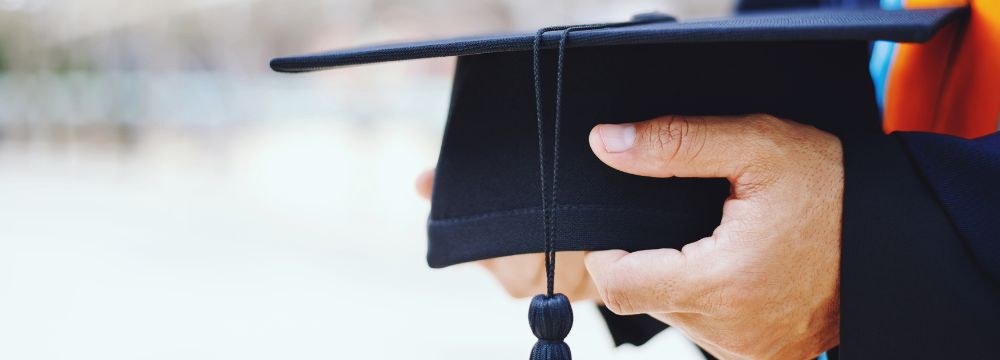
{"points": [[524, 275], [766, 283]]}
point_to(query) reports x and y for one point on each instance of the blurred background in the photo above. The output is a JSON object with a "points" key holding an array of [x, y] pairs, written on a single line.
{"points": [[164, 195]]}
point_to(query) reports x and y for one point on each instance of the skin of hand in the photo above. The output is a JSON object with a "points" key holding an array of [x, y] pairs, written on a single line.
{"points": [[524, 275], [765, 285]]}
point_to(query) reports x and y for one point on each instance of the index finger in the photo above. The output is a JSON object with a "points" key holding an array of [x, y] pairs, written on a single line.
{"points": [[647, 281]]}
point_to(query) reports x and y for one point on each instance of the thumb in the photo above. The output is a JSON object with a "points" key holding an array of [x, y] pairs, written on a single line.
{"points": [[668, 280], [685, 146]]}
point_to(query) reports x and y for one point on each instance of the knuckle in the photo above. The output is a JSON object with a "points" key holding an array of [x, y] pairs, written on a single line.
{"points": [[673, 135], [617, 298], [658, 134], [771, 142], [765, 120], [765, 128]]}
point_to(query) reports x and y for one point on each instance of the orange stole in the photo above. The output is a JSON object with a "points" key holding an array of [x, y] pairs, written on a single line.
{"points": [[951, 84]]}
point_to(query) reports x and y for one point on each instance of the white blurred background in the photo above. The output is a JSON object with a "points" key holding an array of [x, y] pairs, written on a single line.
{"points": [[163, 195]]}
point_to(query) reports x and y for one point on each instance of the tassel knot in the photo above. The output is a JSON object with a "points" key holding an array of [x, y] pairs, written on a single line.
{"points": [[551, 318]]}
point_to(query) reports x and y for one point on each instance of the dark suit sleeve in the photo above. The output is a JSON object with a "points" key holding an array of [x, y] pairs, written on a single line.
{"points": [[920, 259]]}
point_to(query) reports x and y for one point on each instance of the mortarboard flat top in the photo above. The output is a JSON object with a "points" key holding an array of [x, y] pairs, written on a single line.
{"points": [[868, 24], [807, 66]]}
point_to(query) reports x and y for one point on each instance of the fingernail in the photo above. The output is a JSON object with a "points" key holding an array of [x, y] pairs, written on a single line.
{"points": [[617, 138]]}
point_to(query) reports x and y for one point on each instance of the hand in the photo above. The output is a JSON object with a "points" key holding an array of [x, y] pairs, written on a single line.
{"points": [[524, 275], [766, 283]]}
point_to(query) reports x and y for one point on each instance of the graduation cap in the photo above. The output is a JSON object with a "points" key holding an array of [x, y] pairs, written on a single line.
{"points": [[516, 174]]}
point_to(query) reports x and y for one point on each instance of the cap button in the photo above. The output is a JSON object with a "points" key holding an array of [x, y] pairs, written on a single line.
{"points": [[653, 16]]}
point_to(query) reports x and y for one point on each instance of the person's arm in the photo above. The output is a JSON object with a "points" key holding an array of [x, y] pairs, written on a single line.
{"points": [[921, 247]]}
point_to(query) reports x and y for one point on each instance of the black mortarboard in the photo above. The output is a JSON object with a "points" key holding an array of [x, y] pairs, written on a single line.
{"points": [[490, 198]]}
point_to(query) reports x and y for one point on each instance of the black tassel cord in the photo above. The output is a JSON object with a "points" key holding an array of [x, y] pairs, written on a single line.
{"points": [[550, 315]]}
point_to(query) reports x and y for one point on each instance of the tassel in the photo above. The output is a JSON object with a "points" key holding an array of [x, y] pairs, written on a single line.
{"points": [[551, 318], [550, 315]]}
